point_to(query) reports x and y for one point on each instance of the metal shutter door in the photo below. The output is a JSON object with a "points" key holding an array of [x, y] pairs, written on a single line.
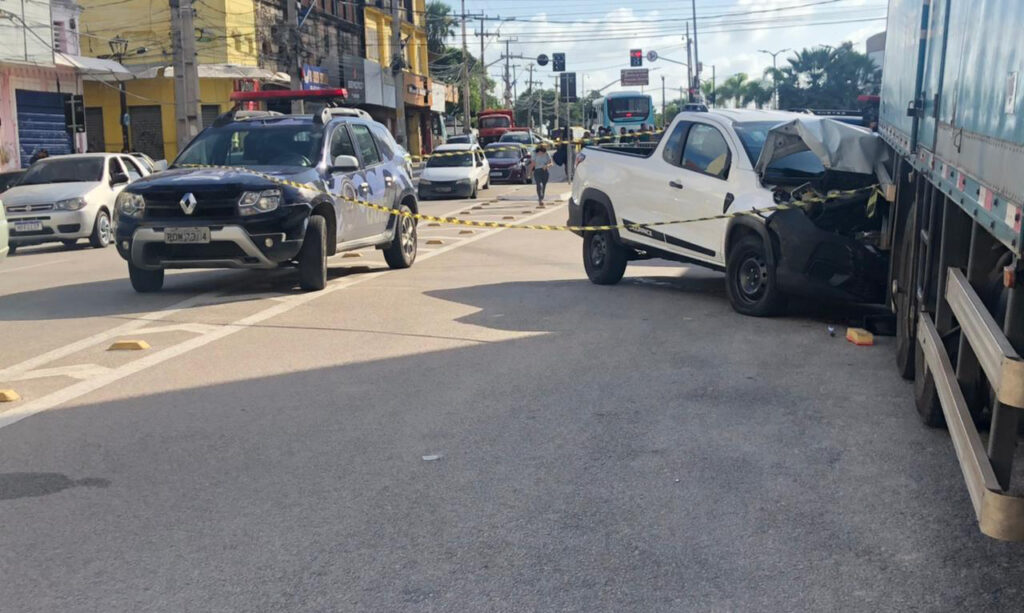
{"points": [[41, 124], [95, 141], [209, 113], [147, 130]]}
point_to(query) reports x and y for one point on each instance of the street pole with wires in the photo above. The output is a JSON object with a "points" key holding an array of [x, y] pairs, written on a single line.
{"points": [[696, 53], [397, 66], [775, 79], [118, 49], [689, 61], [529, 111], [664, 120], [187, 120], [483, 81], [466, 119]]}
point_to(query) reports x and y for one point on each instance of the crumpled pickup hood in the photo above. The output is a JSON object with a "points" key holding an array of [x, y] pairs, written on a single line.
{"points": [[840, 146]]}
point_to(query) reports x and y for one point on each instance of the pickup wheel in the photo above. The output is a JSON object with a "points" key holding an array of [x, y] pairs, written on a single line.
{"points": [[313, 255], [145, 281], [102, 232], [750, 280], [604, 259], [401, 253]]}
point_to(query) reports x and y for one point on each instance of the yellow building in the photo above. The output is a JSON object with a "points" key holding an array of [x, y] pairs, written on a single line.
{"points": [[227, 51], [417, 90]]}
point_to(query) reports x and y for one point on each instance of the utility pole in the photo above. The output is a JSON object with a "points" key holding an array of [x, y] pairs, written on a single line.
{"points": [[515, 86], [689, 59], [557, 117], [583, 99], [466, 119], [291, 16], [187, 120], [714, 87], [529, 88], [397, 64], [508, 75], [696, 54], [664, 120], [483, 82]]}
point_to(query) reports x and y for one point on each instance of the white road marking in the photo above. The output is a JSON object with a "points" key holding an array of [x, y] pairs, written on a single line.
{"points": [[7, 270], [75, 371], [82, 388]]}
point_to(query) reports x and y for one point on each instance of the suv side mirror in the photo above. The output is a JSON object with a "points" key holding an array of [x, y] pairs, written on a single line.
{"points": [[118, 178], [345, 163]]}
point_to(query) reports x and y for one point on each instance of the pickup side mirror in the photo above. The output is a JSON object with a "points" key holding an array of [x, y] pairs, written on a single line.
{"points": [[159, 165], [344, 163], [118, 178]]}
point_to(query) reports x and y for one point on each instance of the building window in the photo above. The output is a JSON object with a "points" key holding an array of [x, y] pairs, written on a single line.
{"points": [[372, 45], [59, 39]]}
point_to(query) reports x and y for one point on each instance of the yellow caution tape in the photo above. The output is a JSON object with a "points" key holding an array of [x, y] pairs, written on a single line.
{"points": [[804, 202]]}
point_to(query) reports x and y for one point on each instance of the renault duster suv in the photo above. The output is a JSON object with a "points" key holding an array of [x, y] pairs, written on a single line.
{"points": [[265, 190]]}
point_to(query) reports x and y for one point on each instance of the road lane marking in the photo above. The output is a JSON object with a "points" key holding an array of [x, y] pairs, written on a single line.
{"points": [[77, 390], [33, 266], [75, 371]]}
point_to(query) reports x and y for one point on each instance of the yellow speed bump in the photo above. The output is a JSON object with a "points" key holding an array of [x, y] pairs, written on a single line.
{"points": [[351, 254], [465, 231], [860, 336], [435, 241], [128, 346], [9, 396], [508, 217]]}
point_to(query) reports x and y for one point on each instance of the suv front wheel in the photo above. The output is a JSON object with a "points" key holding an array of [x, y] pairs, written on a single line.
{"points": [[401, 253], [145, 281], [313, 255]]}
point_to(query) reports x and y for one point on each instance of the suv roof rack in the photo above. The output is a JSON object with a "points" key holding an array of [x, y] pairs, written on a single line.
{"points": [[330, 112]]}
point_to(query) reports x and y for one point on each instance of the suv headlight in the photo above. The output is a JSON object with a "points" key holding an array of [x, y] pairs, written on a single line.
{"points": [[129, 204], [70, 204], [253, 203]]}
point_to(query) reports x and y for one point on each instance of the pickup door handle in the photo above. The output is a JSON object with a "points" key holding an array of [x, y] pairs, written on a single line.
{"points": [[675, 184]]}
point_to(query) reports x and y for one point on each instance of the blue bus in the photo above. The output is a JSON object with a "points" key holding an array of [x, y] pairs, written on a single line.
{"points": [[624, 110]]}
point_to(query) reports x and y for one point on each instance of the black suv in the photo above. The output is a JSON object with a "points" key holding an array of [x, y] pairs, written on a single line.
{"points": [[263, 190]]}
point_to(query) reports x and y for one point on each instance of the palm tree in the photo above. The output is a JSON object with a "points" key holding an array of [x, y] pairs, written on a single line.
{"points": [[440, 26], [757, 92], [731, 91]]}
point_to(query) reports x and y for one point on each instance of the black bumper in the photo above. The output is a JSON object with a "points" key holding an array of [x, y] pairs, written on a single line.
{"points": [[512, 174], [259, 241], [575, 215], [825, 265], [464, 190]]}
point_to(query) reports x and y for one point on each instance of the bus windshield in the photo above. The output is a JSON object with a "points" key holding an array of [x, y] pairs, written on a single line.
{"points": [[638, 107]]}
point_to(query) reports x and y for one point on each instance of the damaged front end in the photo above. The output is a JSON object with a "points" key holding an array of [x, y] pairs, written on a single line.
{"points": [[828, 243]]}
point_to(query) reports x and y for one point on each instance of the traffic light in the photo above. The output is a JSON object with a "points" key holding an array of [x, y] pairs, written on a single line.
{"points": [[636, 57], [558, 62]]}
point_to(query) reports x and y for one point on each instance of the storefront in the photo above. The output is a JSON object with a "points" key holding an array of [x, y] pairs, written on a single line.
{"points": [[417, 113]]}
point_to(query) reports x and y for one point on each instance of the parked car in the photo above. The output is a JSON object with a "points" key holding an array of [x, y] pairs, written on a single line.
{"points": [[462, 139], [722, 162], [150, 164], [522, 137], [4, 234], [508, 162], [10, 179], [69, 197], [455, 171], [289, 198]]}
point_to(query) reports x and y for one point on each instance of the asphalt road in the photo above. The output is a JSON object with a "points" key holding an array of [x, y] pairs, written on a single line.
{"points": [[486, 431]]}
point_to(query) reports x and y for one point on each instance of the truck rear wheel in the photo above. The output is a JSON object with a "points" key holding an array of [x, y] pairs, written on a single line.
{"points": [[603, 258], [313, 255], [750, 279], [903, 297], [145, 281]]}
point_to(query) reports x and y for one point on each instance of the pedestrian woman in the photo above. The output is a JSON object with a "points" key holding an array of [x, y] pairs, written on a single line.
{"points": [[540, 162]]}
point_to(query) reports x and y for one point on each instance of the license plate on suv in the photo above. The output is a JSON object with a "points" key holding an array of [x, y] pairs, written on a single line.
{"points": [[28, 226], [178, 236]]}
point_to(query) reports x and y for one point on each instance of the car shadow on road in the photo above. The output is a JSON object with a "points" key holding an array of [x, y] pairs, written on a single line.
{"points": [[27, 485], [115, 297]]}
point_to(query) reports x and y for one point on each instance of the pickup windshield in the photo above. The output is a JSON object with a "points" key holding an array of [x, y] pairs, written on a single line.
{"points": [[72, 170], [753, 136], [255, 145]]}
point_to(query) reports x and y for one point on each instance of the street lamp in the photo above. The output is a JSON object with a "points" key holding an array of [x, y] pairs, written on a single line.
{"points": [[118, 49], [775, 81]]}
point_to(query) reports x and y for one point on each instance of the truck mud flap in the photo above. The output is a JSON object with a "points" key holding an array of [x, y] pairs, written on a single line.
{"points": [[826, 265]]}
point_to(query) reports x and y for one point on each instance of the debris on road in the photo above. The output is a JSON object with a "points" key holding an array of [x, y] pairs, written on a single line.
{"points": [[860, 336], [431, 458]]}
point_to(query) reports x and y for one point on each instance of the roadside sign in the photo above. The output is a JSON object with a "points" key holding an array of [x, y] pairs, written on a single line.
{"points": [[542, 60], [567, 86], [652, 55], [558, 62], [634, 76]]}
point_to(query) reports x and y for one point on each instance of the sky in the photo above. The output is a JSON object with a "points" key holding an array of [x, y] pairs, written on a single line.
{"points": [[596, 35]]}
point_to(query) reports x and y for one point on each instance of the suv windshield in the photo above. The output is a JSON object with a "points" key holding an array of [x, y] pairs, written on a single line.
{"points": [[503, 153], [450, 159], [255, 145], [753, 136], [64, 171]]}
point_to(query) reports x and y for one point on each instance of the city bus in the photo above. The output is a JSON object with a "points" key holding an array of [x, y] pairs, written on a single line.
{"points": [[624, 110]]}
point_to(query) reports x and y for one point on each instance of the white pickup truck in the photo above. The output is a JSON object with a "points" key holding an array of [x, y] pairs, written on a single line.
{"points": [[707, 164]]}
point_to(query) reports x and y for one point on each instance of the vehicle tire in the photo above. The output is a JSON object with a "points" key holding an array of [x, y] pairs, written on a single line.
{"points": [[102, 232], [603, 258], [906, 310], [926, 397], [487, 185], [750, 281], [313, 255], [145, 281], [401, 253], [69, 243], [11, 249], [472, 194]]}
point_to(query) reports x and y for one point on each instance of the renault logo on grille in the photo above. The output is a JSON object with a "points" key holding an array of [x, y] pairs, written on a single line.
{"points": [[188, 203]]}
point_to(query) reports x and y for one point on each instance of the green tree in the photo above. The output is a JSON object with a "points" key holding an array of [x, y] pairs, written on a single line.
{"points": [[825, 77], [440, 26]]}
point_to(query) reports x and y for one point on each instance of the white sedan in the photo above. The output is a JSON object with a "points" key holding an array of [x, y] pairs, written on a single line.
{"points": [[67, 198], [455, 171]]}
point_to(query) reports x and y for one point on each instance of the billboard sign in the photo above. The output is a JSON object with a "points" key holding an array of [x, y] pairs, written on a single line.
{"points": [[634, 77]]}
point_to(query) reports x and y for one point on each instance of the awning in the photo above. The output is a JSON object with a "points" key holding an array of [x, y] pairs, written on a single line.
{"points": [[227, 71], [93, 68]]}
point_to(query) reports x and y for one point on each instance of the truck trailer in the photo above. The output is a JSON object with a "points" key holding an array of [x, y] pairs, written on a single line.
{"points": [[951, 114]]}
